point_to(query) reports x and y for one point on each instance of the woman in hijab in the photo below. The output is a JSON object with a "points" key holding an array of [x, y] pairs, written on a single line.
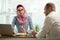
{"points": [[22, 20]]}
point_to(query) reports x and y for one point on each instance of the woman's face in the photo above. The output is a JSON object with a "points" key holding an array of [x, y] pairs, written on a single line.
{"points": [[21, 11]]}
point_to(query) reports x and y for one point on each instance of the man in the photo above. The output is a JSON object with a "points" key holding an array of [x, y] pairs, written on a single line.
{"points": [[51, 28]]}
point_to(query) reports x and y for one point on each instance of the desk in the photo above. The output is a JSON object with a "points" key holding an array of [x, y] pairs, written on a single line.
{"points": [[17, 38]]}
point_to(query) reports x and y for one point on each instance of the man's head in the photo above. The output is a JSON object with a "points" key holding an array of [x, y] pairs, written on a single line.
{"points": [[49, 8]]}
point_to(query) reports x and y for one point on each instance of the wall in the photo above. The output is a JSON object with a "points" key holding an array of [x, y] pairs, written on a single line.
{"points": [[35, 9]]}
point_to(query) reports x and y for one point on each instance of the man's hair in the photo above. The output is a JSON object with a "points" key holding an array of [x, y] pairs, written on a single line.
{"points": [[50, 5]]}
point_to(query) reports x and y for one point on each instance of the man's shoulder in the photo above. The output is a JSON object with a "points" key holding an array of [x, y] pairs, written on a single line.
{"points": [[52, 15]]}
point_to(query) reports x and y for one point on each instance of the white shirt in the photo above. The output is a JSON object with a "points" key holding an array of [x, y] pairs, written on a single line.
{"points": [[51, 28]]}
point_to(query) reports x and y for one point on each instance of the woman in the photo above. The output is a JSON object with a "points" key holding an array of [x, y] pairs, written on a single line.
{"points": [[22, 21]]}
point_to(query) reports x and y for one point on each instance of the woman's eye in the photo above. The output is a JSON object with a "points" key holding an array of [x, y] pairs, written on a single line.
{"points": [[20, 10]]}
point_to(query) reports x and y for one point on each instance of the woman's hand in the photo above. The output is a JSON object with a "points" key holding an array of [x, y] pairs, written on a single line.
{"points": [[23, 30]]}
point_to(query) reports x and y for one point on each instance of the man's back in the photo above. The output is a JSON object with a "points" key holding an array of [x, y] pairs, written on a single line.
{"points": [[51, 28], [54, 31]]}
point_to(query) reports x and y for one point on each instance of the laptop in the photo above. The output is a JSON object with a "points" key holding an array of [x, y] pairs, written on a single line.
{"points": [[6, 29]]}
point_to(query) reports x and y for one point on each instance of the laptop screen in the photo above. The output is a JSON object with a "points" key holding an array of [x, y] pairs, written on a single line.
{"points": [[6, 29]]}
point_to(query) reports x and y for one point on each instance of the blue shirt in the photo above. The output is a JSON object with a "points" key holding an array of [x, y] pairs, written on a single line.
{"points": [[19, 26]]}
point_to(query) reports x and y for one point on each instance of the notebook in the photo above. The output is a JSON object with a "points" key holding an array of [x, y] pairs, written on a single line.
{"points": [[6, 29]]}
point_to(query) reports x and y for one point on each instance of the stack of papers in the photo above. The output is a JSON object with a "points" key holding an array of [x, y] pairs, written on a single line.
{"points": [[20, 34]]}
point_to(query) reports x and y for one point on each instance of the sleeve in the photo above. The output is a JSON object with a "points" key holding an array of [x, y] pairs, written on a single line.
{"points": [[45, 29], [13, 22], [30, 23]]}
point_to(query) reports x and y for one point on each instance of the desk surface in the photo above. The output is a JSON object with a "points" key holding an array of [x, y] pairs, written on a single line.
{"points": [[17, 37]]}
